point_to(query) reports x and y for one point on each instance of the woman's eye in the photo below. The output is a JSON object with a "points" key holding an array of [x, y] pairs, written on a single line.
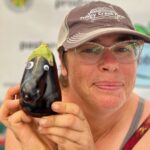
{"points": [[30, 65], [122, 49], [87, 50], [94, 50], [46, 67]]}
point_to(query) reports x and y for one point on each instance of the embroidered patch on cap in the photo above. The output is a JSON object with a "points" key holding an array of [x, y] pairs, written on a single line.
{"points": [[102, 13]]}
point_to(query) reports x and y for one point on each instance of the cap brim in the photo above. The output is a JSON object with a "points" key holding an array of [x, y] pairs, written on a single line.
{"points": [[80, 38]]}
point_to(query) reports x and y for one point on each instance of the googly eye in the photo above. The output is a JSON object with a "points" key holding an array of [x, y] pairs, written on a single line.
{"points": [[30, 65], [46, 67]]}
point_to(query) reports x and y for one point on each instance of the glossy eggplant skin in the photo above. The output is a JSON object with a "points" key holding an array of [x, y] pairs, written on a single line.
{"points": [[39, 87]]}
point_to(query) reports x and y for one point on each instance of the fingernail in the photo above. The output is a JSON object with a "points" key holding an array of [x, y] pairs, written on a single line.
{"points": [[55, 106]]}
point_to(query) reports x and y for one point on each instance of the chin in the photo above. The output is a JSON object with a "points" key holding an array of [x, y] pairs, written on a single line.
{"points": [[111, 102]]}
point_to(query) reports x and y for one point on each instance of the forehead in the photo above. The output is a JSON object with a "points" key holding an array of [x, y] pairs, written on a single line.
{"points": [[111, 38]]}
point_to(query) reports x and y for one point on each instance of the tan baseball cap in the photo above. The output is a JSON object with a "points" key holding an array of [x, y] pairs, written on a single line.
{"points": [[91, 20]]}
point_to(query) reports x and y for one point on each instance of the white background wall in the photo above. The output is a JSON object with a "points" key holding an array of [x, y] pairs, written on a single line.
{"points": [[22, 28]]}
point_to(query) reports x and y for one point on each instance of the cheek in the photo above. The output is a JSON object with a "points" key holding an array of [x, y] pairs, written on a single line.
{"points": [[79, 76], [129, 74]]}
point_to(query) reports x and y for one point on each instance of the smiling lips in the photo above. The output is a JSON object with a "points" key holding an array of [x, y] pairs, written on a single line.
{"points": [[109, 85]]}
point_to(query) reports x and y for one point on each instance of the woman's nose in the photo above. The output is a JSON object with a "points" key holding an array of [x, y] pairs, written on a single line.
{"points": [[108, 62]]}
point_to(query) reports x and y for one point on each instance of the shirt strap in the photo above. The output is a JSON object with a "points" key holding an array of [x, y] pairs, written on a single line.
{"points": [[138, 134], [135, 121]]}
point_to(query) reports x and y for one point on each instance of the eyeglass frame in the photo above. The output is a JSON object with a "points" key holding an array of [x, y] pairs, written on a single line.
{"points": [[141, 42]]}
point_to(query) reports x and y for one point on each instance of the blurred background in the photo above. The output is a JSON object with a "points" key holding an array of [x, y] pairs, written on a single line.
{"points": [[24, 24]]}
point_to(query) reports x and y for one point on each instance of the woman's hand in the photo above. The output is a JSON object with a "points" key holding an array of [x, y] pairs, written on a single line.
{"points": [[22, 125], [69, 129]]}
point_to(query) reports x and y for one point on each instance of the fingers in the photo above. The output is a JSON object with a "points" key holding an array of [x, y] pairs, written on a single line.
{"points": [[8, 108], [69, 135], [65, 143], [19, 117], [69, 108], [64, 120], [70, 116], [65, 136], [68, 125], [12, 92], [10, 113]]}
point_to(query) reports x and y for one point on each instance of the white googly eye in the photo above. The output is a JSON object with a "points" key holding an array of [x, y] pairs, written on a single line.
{"points": [[46, 67], [30, 65]]}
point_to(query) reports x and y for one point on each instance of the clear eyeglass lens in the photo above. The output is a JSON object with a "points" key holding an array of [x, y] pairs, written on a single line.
{"points": [[124, 52], [127, 51], [89, 52]]}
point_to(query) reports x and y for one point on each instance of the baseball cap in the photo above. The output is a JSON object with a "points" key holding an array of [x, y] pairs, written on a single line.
{"points": [[94, 19]]}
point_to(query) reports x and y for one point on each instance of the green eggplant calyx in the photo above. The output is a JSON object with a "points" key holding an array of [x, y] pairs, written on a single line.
{"points": [[42, 51]]}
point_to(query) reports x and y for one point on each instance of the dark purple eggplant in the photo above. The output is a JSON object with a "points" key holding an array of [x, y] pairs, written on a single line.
{"points": [[40, 83]]}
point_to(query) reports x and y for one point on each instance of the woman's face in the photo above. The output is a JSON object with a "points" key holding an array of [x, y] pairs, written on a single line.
{"points": [[106, 84]]}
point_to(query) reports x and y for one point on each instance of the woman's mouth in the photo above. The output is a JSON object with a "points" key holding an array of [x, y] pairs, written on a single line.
{"points": [[109, 85]]}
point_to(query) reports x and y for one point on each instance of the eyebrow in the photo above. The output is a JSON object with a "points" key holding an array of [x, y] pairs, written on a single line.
{"points": [[123, 38], [118, 39]]}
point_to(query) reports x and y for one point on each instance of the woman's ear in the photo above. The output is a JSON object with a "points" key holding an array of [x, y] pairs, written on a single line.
{"points": [[63, 69], [63, 65]]}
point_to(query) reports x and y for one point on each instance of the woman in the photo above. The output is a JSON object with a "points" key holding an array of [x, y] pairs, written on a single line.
{"points": [[99, 52]]}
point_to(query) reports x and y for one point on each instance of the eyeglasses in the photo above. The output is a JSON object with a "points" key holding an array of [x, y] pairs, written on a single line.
{"points": [[125, 51]]}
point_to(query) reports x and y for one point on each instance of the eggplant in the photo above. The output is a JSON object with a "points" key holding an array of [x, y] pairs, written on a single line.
{"points": [[40, 84]]}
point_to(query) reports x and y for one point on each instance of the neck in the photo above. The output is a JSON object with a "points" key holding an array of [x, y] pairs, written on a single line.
{"points": [[103, 123]]}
